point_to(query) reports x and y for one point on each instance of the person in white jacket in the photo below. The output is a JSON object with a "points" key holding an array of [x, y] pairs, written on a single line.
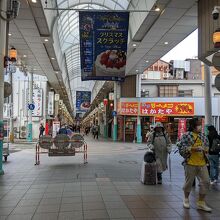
{"points": [[159, 141]]}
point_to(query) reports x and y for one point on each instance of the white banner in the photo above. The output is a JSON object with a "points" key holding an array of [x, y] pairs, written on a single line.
{"points": [[50, 103], [38, 102], [57, 97], [56, 128]]}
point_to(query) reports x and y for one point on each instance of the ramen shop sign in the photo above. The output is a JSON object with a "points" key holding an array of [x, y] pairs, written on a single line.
{"points": [[167, 108]]}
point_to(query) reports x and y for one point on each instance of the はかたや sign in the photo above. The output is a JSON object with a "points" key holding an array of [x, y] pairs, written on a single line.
{"points": [[167, 108]]}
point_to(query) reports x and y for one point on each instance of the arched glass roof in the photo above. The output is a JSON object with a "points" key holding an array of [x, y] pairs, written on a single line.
{"points": [[68, 31]]}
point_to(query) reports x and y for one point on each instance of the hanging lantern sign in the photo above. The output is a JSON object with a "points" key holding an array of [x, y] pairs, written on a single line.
{"points": [[57, 97], [111, 96], [105, 101], [13, 54]]}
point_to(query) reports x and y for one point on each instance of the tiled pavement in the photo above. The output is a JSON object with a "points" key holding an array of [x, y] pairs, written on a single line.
{"points": [[107, 187]]}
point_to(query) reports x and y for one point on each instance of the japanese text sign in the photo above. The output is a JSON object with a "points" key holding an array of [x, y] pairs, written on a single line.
{"points": [[128, 108], [167, 108], [103, 45], [83, 100], [181, 127]]}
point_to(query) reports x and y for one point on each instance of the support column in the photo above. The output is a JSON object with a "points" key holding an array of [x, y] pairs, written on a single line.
{"points": [[208, 97], [11, 134], [29, 129], [2, 54], [138, 95], [105, 123], [115, 128]]}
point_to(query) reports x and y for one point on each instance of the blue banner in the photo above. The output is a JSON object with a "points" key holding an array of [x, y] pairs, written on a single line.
{"points": [[83, 101], [103, 45]]}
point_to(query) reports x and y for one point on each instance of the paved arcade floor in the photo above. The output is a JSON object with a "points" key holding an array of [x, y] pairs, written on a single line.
{"points": [[108, 187]]}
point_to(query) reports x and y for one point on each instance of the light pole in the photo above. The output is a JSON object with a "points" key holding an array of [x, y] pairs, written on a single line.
{"points": [[29, 128]]}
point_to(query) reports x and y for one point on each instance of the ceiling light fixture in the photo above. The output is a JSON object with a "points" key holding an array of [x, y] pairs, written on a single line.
{"points": [[46, 40], [134, 45], [24, 55], [52, 58], [137, 71], [166, 42], [156, 8], [34, 1], [9, 34], [147, 61]]}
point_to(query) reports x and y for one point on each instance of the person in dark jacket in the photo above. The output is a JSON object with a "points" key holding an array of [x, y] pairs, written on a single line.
{"points": [[41, 129], [213, 155], [63, 130]]}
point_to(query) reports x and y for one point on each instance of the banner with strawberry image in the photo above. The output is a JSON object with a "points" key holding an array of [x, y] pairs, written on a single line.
{"points": [[103, 45]]}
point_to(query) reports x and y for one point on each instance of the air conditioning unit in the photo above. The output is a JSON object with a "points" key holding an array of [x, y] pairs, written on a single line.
{"points": [[23, 132], [143, 76], [166, 75]]}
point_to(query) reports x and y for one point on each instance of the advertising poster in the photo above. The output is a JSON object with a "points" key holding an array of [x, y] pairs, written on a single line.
{"points": [[83, 101], [56, 128], [103, 45], [167, 108], [181, 127]]}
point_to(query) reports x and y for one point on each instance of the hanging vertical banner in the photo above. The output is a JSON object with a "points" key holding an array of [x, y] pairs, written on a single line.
{"points": [[38, 102], [181, 127], [83, 100], [103, 45], [50, 103]]}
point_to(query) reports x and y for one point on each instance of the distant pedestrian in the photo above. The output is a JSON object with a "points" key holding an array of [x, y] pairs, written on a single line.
{"points": [[160, 143], [96, 131], [193, 147], [214, 149], [63, 130], [41, 129]]}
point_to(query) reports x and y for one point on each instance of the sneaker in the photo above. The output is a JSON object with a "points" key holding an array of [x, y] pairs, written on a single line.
{"points": [[186, 203], [215, 181], [202, 206], [212, 182]]}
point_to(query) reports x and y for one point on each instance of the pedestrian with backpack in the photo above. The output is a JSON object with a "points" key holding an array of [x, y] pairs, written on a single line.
{"points": [[214, 149], [160, 143], [193, 147]]}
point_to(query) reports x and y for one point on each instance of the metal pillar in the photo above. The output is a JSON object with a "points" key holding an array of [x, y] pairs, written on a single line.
{"points": [[115, 128], [208, 97], [29, 129], [2, 54], [138, 95]]}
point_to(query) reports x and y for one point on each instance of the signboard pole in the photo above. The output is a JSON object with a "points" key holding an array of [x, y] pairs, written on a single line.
{"points": [[138, 94], [29, 128], [208, 97], [115, 128], [2, 50]]}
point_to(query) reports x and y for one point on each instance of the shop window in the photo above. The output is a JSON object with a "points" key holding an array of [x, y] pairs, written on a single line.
{"points": [[168, 91], [185, 93], [144, 94]]}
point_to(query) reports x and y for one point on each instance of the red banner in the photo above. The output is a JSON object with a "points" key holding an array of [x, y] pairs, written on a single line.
{"points": [[181, 127], [128, 108], [167, 108], [161, 119]]}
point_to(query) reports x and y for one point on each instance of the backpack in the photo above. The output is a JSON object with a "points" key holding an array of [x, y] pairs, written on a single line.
{"points": [[216, 145], [149, 157]]}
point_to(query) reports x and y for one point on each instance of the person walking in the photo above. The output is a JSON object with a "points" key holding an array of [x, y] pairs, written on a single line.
{"points": [[63, 130], [41, 129], [160, 143], [193, 147], [96, 132], [214, 149], [149, 132]]}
